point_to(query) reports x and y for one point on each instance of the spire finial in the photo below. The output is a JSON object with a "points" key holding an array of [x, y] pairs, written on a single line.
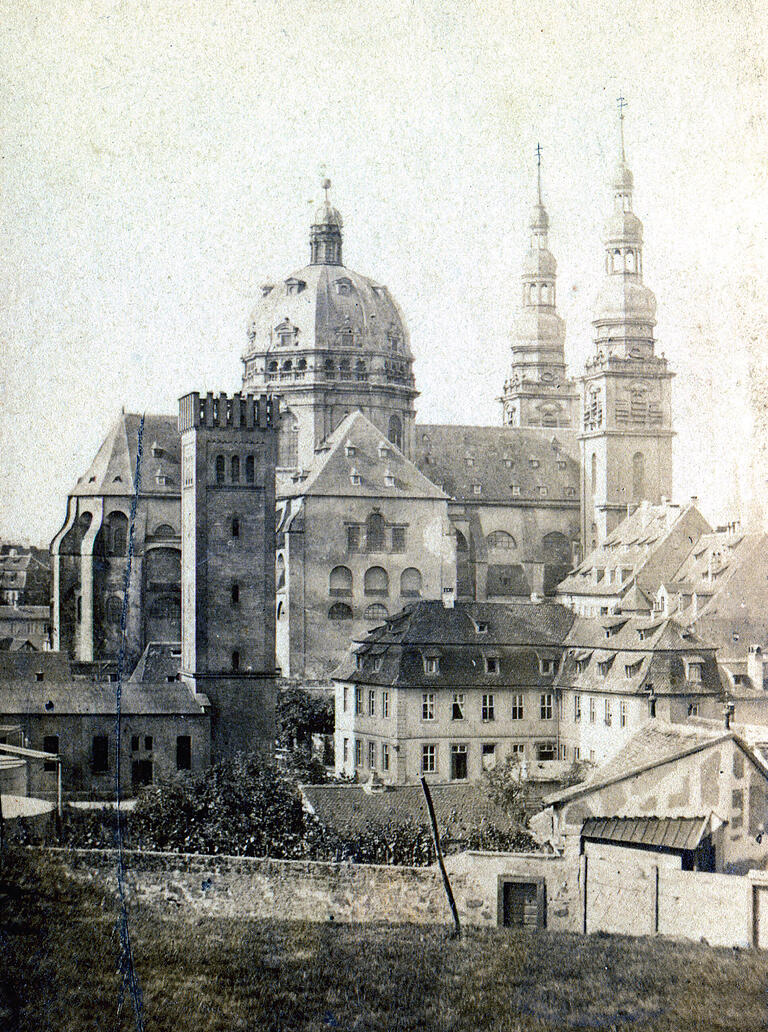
{"points": [[538, 169], [621, 103], [326, 185]]}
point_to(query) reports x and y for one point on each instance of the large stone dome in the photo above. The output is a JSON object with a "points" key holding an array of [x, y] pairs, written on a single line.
{"points": [[327, 308]]}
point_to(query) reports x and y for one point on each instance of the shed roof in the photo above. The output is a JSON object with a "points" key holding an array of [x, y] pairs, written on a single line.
{"points": [[672, 833]]}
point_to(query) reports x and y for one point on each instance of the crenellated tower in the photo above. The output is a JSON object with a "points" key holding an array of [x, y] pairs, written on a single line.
{"points": [[626, 428], [538, 392], [228, 450]]}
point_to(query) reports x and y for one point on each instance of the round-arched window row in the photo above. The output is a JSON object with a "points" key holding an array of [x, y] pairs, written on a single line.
{"points": [[235, 468]]}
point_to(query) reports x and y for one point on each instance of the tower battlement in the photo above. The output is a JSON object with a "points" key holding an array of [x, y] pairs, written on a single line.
{"points": [[219, 411]]}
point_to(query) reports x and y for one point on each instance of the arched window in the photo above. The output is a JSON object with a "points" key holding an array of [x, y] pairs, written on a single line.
{"points": [[117, 533], [374, 532], [340, 611], [280, 610], [301, 364], [630, 261], [376, 611], [344, 369], [638, 476], [272, 367], [287, 365], [235, 527], [220, 469], [165, 531], [501, 539], [288, 440], [249, 469], [461, 542], [168, 608], [594, 473], [395, 432], [235, 469], [376, 581], [114, 609], [340, 582], [410, 583], [235, 593], [280, 573], [235, 661]]}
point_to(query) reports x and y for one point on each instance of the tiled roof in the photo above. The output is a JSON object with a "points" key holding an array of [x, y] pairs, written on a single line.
{"points": [[516, 633], [18, 698], [658, 659], [113, 470], [358, 451], [460, 809], [654, 743], [646, 548], [25, 666], [495, 458], [159, 661]]}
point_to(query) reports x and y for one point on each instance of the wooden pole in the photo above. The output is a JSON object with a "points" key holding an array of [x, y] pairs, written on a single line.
{"points": [[439, 852]]}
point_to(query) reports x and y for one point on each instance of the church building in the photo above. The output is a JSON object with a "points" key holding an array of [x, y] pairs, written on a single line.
{"points": [[399, 510]]}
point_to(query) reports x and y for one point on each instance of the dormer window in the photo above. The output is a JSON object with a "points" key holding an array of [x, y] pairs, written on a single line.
{"points": [[343, 287], [383, 450], [632, 669], [389, 478], [546, 666], [694, 666], [481, 626], [266, 289], [469, 461], [543, 491], [509, 463], [603, 667], [295, 286], [562, 464], [354, 478], [534, 463], [492, 664], [431, 664], [515, 490], [477, 489], [157, 451], [349, 450]]}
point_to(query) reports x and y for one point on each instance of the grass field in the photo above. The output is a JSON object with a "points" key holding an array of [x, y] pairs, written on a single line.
{"points": [[60, 957]]}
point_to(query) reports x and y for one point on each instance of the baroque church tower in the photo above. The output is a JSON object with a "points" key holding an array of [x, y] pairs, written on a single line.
{"points": [[329, 342], [626, 432], [538, 392]]}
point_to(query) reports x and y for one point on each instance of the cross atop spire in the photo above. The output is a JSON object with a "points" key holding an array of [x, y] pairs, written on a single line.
{"points": [[621, 104], [538, 168]]}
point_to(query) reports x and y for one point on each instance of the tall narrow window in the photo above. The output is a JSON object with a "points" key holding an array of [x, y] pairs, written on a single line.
{"points": [[235, 469], [100, 754], [249, 469], [235, 593], [50, 745], [235, 661], [594, 473], [395, 433], [220, 469], [638, 476], [183, 752], [235, 527], [374, 532]]}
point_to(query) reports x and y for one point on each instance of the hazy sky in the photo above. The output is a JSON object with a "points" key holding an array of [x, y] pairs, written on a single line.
{"points": [[160, 160]]}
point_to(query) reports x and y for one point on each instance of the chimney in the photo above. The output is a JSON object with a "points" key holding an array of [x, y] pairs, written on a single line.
{"points": [[756, 666], [449, 597], [727, 714]]}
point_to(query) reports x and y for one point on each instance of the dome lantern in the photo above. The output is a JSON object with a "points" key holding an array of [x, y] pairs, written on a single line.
{"points": [[325, 234]]}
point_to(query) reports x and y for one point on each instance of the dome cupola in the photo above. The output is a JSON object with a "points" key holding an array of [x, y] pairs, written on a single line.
{"points": [[325, 235]]}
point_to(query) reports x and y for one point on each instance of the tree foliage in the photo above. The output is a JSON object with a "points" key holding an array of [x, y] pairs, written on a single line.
{"points": [[301, 714]]}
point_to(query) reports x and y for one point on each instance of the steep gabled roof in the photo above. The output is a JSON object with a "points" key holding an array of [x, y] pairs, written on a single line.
{"points": [[358, 449], [159, 662], [113, 471], [647, 548]]}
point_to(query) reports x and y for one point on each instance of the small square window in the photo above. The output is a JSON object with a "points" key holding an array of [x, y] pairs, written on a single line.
{"points": [[431, 665], [491, 664], [148, 743], [515, 490], [477, 489]]}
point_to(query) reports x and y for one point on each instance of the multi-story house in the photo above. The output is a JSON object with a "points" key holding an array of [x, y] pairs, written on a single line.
{"points": [[447, 692], [619, 671]]}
